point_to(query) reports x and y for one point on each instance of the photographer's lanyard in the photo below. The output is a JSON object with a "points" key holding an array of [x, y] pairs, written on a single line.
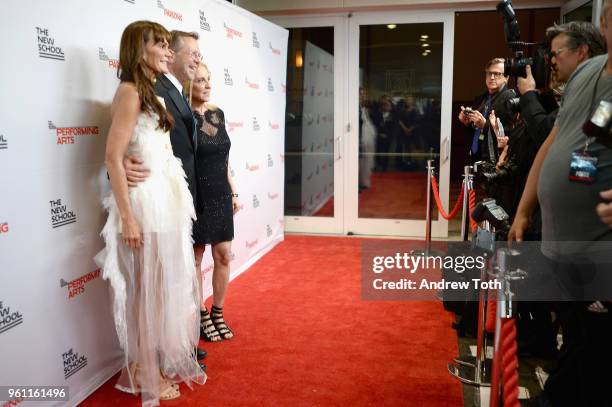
{"points": [[583, 163], [478, 135]]}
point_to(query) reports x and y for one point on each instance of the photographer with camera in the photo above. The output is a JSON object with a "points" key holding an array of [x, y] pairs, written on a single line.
{"points": [[484, 143], [538, 109], [578, 145]]}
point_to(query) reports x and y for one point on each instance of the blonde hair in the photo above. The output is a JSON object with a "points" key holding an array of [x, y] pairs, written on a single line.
{"points": [[189, 89]]}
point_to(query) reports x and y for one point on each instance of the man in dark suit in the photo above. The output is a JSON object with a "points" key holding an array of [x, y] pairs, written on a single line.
{"points": [[182, 66]]}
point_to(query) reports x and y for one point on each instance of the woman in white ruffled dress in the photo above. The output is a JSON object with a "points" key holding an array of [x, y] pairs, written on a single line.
{"points": [[148, 257]]}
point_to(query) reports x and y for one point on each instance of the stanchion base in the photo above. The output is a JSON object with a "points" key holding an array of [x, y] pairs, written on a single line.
{"points": [[465, 371]]}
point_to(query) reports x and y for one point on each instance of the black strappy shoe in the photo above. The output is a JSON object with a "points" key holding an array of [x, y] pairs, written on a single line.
{"points": [[216, 314], [208, 332]]}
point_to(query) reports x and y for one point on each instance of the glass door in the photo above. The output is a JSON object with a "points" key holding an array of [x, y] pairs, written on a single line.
{"points": [[399, 99], [314, 198]]}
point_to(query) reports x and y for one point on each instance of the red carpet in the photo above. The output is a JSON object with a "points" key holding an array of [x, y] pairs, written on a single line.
{"points": [[304, 337], [393, 195]]}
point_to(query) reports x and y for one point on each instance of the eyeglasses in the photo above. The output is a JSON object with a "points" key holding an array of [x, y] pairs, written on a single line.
{"points": [[556, 53], [195, 55], [494, 75]]}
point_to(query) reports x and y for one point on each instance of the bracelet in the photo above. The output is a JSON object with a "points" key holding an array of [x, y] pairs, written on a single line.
{"points": [[234, 195]]}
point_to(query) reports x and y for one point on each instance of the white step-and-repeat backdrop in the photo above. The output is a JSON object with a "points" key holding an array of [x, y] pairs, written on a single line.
{"points": [[317, 129], [58, 79]]}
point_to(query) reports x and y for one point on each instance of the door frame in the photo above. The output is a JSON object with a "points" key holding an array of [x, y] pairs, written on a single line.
{"points": [[398, 227], [335, 224], [346, 148]]}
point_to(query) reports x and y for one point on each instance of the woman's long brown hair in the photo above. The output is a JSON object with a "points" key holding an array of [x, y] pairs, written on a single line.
{"points": [[132, 66]]}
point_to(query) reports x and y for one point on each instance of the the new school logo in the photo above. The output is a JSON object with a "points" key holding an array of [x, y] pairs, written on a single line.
{"points": [[203, 23], [9, 319], [3, 142], [251, 85], [255, 201], [110, 63], [255, 40], [77, 286], [275, 51], [256, 126], [227, 77], [47, 48], [270, 161], [175, 15], [68, 135], [60, 214], [73, 362], [270, 85], [231, 33]]}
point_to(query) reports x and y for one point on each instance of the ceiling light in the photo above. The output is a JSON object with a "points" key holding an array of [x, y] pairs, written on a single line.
{"points": [[299, 59], [391, 26], [425, 54], [424, 36], [424, 45]]}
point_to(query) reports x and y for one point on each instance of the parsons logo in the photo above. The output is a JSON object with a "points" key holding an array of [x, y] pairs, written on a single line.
{"points": [[9, 319], [231, 32], [3, 142], [203, 23], [252, 85], [250, 245], [231, 126], [255, 202], [170, 13], [47, 47], [67, 135], [255, 40], [73, 362], [111, 63], [252, 168], [256, 126], [227, 77], [60, 215], [208, 269], [275, 51], [77, 286]]}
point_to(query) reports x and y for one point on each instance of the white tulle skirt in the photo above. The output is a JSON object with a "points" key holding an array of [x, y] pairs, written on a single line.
{"points": [[155, 295]]}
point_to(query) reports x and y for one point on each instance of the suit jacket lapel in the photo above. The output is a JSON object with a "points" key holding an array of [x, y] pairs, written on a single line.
{"points": [[182, 107]]}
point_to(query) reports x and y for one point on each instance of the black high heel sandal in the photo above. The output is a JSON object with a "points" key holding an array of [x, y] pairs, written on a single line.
{"points": [[208, 331], [216, 314]]}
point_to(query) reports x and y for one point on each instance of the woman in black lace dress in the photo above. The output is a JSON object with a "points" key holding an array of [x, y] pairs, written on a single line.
{"points": [[215, 223]]}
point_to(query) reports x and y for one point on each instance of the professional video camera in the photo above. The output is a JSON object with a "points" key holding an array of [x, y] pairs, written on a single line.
{"points": [[515, 66]]}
